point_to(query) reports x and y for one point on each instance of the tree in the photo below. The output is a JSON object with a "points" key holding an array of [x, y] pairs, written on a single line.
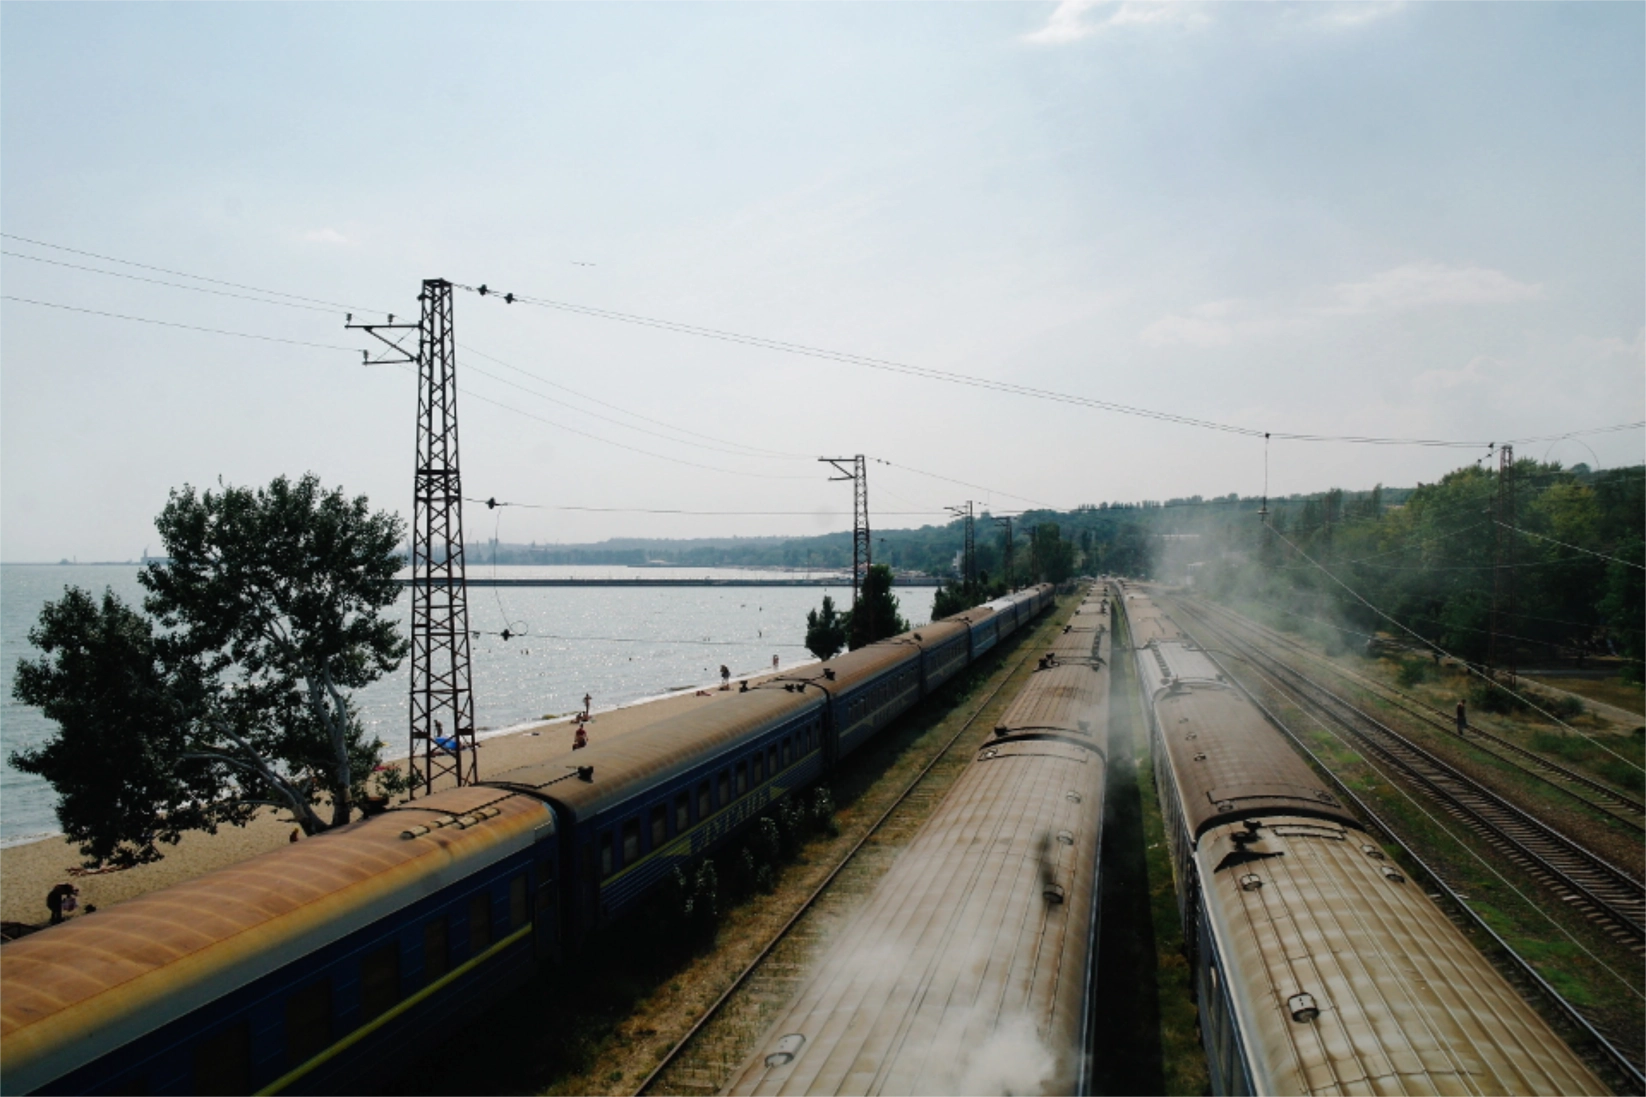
{"points": [[877, 604], [825, 630], [285, 587], [1625, 594], [126, 715], [271, 609]]}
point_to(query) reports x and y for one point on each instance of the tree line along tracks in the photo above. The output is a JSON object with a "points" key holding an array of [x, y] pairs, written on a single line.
{"points": [[1607, 896], [716, 1044], [1618, 806]]}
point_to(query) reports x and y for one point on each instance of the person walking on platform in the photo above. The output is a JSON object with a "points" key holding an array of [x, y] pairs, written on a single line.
{"points": [[1462, 718]]}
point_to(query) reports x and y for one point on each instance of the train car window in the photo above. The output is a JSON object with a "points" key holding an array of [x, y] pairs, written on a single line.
{"points": [[787, 752], [682, 811], [517, 902], [660, 826], [631, 841], [308, 1022], [605, 855], [742, 778], [379, 981], [436, 950], [725, 789], [480, 922], [759, 767], [222, 1061], [704, 806], [771, 759]]}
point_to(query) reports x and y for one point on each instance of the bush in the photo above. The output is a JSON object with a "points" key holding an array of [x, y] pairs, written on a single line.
{"points": [[1491, 697], [822, 811], [1567, 707], [1412, 671]]}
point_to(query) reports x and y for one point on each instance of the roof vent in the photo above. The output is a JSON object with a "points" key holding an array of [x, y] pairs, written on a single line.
{"points": [[1251, 882], [1065, 837], [1392, 876], [787, 1048], [585, 773], [828, 672], [1053, 893], [1372, 851], [1303, 1008], [1072, 797]]}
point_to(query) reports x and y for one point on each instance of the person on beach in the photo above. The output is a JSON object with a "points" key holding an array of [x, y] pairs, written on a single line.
{"points": [[61, 899], [774, 662], [1462, 718], [587, 701], [725, 677], [581, 739]]}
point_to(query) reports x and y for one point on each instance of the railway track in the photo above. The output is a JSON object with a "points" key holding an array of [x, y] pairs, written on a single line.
{"points": [[716, 1044], [1616, 805], [1607, 896]]}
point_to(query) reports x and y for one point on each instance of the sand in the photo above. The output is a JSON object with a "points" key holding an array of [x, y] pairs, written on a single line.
{"points": [[28, 872]]}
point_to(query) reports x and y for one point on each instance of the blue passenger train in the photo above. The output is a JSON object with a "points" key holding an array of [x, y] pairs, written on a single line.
{"points": [[303, 969]]}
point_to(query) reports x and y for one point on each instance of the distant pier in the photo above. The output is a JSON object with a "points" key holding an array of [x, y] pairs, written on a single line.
{"points": [[831, 581]]}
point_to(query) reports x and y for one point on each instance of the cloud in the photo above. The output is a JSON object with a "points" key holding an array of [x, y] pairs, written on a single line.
{"points": [[326, 236], [1476, 371], [1631, 352], [1072, 20], [1400, 289], [1069, 23], [1418, 285]]}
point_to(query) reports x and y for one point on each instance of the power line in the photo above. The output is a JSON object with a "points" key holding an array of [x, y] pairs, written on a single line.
{"points": [[929, 373], [185, 274], [1575, 548], [493, 503], [172, 324], [163, 282]]}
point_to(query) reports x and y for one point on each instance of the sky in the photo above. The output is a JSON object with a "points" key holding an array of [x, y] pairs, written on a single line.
{"points": [[1391, 220]]}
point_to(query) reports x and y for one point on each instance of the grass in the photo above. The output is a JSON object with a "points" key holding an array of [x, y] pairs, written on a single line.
{"points": [[1608, 691], [604, 1019], [1171, 1055]]}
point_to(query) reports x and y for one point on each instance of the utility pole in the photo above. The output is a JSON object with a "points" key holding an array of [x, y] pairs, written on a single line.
{"points": [[854, 469], [442, 701], [1007, 553], [1503, 576], [968, 550]]}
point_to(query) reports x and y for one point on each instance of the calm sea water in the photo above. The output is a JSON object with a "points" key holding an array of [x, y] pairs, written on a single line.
{"points": [[619, 645]]}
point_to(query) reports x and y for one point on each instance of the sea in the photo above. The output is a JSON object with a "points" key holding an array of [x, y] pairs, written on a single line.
{"points": [[620, 645]]}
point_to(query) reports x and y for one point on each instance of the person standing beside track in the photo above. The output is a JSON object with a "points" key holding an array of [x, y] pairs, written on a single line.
{"points": [[1462, 717]]}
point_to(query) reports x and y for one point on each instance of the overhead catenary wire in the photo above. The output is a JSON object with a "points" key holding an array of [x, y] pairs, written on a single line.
{"points": [[1575, 548], [174, 324], [495, 503], [172, 285], [951, 377]]}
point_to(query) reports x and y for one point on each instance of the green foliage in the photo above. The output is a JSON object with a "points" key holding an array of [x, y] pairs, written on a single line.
{"points": [[876, 616], [1620, 606], [825, 630], [1413, 671], [1051, 559], [128, 710], [269, 611]]}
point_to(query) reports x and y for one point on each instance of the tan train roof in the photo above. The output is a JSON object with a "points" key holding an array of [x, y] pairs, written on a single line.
{"points": [[959, 961], [1148, 622], [1226, 758], [1407, 1005], [631, 765], [77, 990]]}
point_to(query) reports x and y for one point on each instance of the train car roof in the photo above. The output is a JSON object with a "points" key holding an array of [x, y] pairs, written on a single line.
{"points": [[1398, 1000], [1229, 763], [78, 990], [963, 960], [1179, 663], [1062, 701], [631, 765]]}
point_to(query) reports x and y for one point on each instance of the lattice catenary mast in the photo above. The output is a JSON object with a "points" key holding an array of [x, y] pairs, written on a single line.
{"points": [[853, 469], [1503, 576], [442, 701]]}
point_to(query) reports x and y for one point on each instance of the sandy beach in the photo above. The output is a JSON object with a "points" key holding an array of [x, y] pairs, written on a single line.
{"points": [[29, 871]]}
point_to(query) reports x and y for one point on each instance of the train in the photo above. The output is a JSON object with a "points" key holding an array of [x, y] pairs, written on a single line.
{"points": [[307, 969], [969, 967], [1319, 967]]}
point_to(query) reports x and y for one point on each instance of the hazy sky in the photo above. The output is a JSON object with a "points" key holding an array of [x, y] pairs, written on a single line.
{"points": [[1394, 220]]}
